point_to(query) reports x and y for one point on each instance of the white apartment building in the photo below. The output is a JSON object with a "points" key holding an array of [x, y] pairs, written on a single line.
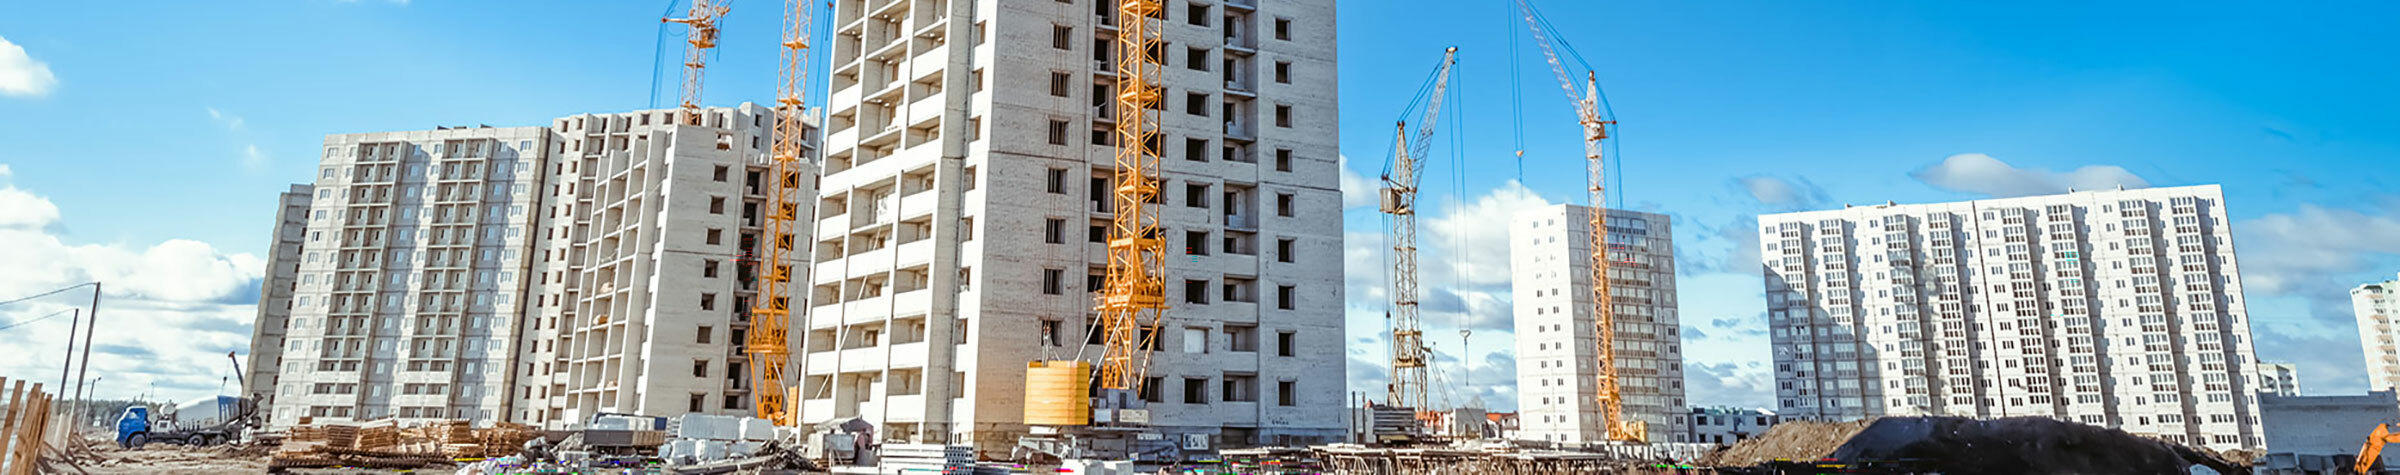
{"points": [[964, 200], [2115, 308], [410, 276], [603, 264], [1557, 350], [275, 291], [647, 264], [2278, 379], [2375, 305]]}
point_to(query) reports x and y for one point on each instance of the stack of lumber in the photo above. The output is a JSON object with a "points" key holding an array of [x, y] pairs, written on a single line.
{"points": [[341, 436], [505, 438], [381, 436]]}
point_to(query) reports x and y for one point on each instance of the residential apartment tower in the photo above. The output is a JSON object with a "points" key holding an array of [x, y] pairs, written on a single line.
{"points": [[2115, 308], [1557, 347]]}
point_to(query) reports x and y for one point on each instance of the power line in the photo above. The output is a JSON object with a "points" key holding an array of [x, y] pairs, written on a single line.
{"points": [[40, 318], [46, 294]]}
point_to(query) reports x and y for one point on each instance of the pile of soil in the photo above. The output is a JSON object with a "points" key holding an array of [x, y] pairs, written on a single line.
{"points": [[1957, 445], [1792, 440]]}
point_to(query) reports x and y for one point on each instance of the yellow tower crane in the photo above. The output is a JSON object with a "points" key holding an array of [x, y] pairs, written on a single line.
{"points": [[1131, 302], [700, 35], [1409, 353], [1595, 130], [771, 320], [1071, 418]]}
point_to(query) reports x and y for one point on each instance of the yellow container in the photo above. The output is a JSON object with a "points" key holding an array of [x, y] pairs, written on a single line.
{"points": [[1058, 393]]}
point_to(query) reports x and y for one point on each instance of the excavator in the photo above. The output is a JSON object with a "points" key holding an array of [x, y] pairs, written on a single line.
{"points": [[2370, 455]]}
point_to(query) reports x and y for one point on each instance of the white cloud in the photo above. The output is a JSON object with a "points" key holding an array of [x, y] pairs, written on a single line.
{"points": [[2296, 252], [19, 209], [1462, 259], [21, 75], [1783, 195], [1463, 269], [229, 121], [1356, 190], [252, 158], [234, 126], [180, 304], [1982, 174]]}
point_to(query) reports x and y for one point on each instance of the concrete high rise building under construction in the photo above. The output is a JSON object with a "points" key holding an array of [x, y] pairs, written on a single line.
{"points": [[965, 202]]}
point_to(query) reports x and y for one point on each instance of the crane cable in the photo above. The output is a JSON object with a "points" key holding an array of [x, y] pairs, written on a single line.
{"points": [[1516, 95], [1615, 157]]}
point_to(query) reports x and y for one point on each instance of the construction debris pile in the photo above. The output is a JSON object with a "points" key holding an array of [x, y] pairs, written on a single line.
{"points": [[384, 444], [1961, 445], [1506, 458], [1790, 441]]}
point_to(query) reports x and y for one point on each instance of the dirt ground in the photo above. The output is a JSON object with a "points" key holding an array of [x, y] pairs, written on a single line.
{"points": [[107, 459]]}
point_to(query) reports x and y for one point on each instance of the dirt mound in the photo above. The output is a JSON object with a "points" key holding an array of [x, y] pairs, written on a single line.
{"points": [[1957, 445], [1794, 440]]}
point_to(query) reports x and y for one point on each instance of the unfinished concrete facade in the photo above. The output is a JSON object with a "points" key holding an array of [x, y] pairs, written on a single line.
{"points": [[646, 265], [1557, 349], [964, 202], [409, 281], [2120, 309], [532, 274], [275, 290]]}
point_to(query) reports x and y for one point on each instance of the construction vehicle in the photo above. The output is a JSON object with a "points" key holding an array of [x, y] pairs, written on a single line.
{"points": [[216, 420], [2370, 455], [1410, 355], [1071, 420], [1588, 104]]}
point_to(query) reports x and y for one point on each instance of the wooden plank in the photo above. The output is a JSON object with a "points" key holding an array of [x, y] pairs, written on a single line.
{"points": [[31, 458], [8, 426], [29, 440]]}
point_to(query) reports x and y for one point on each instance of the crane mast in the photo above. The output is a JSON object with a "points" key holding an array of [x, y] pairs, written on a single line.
{"points": [[1133, 298], [700, 36], [1409, 353], [1595, 131], [771, 320]]}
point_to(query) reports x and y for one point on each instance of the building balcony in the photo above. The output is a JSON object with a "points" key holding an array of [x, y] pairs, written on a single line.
{"points": [[911, 303], [908, 355], [867, 310], [862, 359]]}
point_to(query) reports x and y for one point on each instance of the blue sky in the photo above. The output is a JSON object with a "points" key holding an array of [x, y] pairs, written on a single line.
{"points": [[153, 135]]}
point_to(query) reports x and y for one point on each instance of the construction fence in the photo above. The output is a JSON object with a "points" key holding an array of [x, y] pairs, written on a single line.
{"points": [[26, 431]]}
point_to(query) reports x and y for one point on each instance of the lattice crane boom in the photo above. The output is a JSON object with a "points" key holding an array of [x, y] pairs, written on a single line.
{"points": [[1132, 301], [767, 346], [1410, 356], [700, 35], [1595, 131]]}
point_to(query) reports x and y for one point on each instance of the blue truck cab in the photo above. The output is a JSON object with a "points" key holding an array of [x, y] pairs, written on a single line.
{"points": [[135, 423]]}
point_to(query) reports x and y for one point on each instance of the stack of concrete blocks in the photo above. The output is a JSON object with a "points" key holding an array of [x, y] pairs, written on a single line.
{"points": [[926, 458], [705, 438]]}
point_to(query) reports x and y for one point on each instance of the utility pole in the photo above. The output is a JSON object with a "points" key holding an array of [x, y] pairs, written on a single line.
{"points": [[74, 323], [86, 365]]}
